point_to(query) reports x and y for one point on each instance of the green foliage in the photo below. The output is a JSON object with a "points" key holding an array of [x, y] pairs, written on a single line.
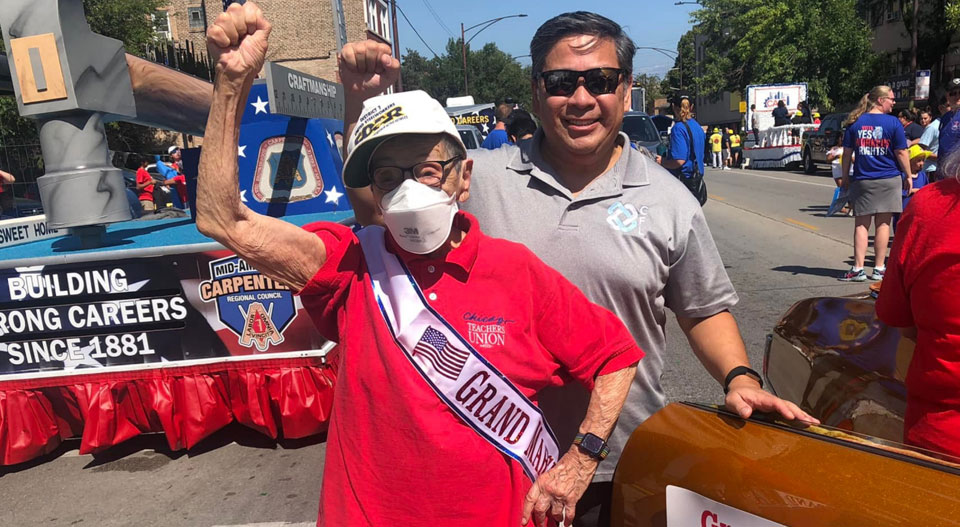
{"points": [[492, 74], [654, 87], [823, 43], [952, 12], [125, 20], [687, 60]]}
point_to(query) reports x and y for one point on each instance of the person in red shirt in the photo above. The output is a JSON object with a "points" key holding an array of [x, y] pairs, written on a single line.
{"points": [[179, 181], [145, 187], [919, 292], [5, 179], [447, 335]]}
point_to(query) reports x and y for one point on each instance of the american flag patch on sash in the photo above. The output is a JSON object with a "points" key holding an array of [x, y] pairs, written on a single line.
{"points": [[447, 360]]}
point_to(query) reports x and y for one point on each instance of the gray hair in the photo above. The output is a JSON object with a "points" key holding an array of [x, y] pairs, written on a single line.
{"points": [[950, 166], [581, 23]]}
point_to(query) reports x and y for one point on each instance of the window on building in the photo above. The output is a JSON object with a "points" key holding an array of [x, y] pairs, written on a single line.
{"points": [[161, 24], [196, 17], [341, 24], [378, 18]]}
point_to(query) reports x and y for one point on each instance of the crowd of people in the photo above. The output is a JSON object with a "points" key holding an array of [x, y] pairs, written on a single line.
{"points": [[156, 193]]}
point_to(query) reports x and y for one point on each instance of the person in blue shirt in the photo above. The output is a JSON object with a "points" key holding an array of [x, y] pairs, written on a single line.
{"points": [[498, 137], [687, 141], [950, 121], [874, 190]]}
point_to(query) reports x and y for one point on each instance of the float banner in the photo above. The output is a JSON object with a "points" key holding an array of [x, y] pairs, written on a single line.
{"points": [[90, 317], [298, 94]]}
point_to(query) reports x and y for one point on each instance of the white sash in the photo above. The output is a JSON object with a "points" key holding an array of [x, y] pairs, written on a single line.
{"points": [[472, 387]]}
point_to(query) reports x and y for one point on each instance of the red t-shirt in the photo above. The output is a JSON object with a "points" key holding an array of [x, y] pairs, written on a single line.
{"points": [[921, 289], [396, 454], [146, 194], [181, 186]]}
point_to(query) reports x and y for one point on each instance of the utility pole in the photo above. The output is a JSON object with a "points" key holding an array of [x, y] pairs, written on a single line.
{"points": [[396, 43], [463, 51]]}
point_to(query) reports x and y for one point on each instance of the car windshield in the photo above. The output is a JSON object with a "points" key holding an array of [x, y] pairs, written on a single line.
{"points": [[640, 128], [469, 140]]}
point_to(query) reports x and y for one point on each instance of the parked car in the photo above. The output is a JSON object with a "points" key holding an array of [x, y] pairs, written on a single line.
{"points": [[696, 464], [642, 132], [817, 143], [470, 136]]}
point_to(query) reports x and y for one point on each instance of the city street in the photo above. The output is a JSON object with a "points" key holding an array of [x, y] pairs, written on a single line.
{"points": [[777, 245]]}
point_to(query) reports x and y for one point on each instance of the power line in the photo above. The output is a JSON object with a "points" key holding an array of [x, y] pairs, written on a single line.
{"points": [[415, 31], [436, 17]]}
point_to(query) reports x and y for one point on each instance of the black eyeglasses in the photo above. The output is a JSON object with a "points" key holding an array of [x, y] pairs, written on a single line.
{"points": [[430, 173], [598, 81]]}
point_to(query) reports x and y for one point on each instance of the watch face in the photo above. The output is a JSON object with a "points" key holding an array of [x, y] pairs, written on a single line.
{"points": [[592, 443]]}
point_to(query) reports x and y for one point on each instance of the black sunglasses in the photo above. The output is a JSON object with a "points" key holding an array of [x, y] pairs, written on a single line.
{"points": [[598, 81]]}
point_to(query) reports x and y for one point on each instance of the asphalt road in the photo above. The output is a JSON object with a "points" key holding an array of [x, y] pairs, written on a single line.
{"points": [[776, 244]]}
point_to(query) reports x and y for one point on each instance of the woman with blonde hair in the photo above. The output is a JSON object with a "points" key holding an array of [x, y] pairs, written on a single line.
{"points": [[874, 189], [920, 293], [685, 155]]}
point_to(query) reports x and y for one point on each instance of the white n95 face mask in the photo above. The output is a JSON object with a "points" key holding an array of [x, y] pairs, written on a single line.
{"points": [[418, 217]]}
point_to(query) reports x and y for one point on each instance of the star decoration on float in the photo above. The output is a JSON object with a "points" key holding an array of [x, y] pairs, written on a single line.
{"points": [[486, 128], [330, 139], [241, 150], [333, 195], [260, 106], [243, 196]]}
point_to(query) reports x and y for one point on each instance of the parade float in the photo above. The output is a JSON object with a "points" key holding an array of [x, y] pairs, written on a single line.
{"points": [[111, 328], [775, 146]]}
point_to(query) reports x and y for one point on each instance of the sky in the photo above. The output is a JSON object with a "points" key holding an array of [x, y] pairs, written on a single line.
{"points": [[652, 23]]}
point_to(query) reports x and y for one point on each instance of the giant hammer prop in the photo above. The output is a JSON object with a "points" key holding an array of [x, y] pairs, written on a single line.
{"points": [[72, 81]]}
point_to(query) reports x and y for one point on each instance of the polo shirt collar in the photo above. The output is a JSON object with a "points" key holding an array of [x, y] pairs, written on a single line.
{"points": [[464, 256], [626, 172]]}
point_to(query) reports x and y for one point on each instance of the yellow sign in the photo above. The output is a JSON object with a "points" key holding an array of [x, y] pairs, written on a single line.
{"points": [[743, 106]]}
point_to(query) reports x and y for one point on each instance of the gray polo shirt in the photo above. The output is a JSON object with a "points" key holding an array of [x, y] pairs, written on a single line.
{"points": [[635, 241]]}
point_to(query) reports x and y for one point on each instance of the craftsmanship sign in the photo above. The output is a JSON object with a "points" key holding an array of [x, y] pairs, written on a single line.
{"points": [[297, 94]]}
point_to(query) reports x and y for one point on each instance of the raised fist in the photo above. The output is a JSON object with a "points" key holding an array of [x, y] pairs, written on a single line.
{"points": [[237, 40], [367, 68]]}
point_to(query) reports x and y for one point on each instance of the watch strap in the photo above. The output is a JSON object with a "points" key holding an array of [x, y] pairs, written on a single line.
{"points": [[738, 371], [601, 455]]}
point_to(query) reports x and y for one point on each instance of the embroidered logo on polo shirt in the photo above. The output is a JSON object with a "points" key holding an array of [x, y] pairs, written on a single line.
{"points": [[626, 218], [486, 331]]}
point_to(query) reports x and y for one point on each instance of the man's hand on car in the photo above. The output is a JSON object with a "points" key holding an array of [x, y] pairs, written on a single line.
{"points": [[745, 396]]}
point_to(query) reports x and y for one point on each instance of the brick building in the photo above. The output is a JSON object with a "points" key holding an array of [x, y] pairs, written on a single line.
{"points": [[306, 35]]}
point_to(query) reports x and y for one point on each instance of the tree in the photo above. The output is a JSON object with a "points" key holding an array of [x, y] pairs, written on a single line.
{"points": [[653, 85], [492, 74], [824, 43], [686, 59]]}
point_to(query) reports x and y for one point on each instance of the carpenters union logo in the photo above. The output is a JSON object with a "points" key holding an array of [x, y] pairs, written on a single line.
{"points": [[256, 308]]}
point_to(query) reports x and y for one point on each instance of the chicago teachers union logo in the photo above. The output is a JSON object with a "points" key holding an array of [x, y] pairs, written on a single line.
{"points": [[256, 308]]}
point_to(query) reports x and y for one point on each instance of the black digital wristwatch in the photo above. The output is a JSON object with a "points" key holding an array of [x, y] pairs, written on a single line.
{"points": [[592, 445]]}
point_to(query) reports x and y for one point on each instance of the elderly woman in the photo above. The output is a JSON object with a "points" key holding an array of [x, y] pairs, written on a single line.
{"points": [[920, 292]]}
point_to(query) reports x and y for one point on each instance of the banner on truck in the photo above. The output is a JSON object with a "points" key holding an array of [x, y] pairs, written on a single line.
{"points": [[93, 316], [766, 97]]}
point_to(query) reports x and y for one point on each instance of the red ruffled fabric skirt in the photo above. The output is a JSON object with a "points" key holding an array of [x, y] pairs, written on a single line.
{"points": [[277, 397]]}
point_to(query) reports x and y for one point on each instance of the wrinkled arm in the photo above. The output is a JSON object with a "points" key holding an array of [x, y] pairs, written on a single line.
{"points": [[276, 248], [562, 486]]}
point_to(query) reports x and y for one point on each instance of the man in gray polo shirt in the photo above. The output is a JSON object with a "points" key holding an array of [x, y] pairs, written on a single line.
{"points": [[619, 226]]}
